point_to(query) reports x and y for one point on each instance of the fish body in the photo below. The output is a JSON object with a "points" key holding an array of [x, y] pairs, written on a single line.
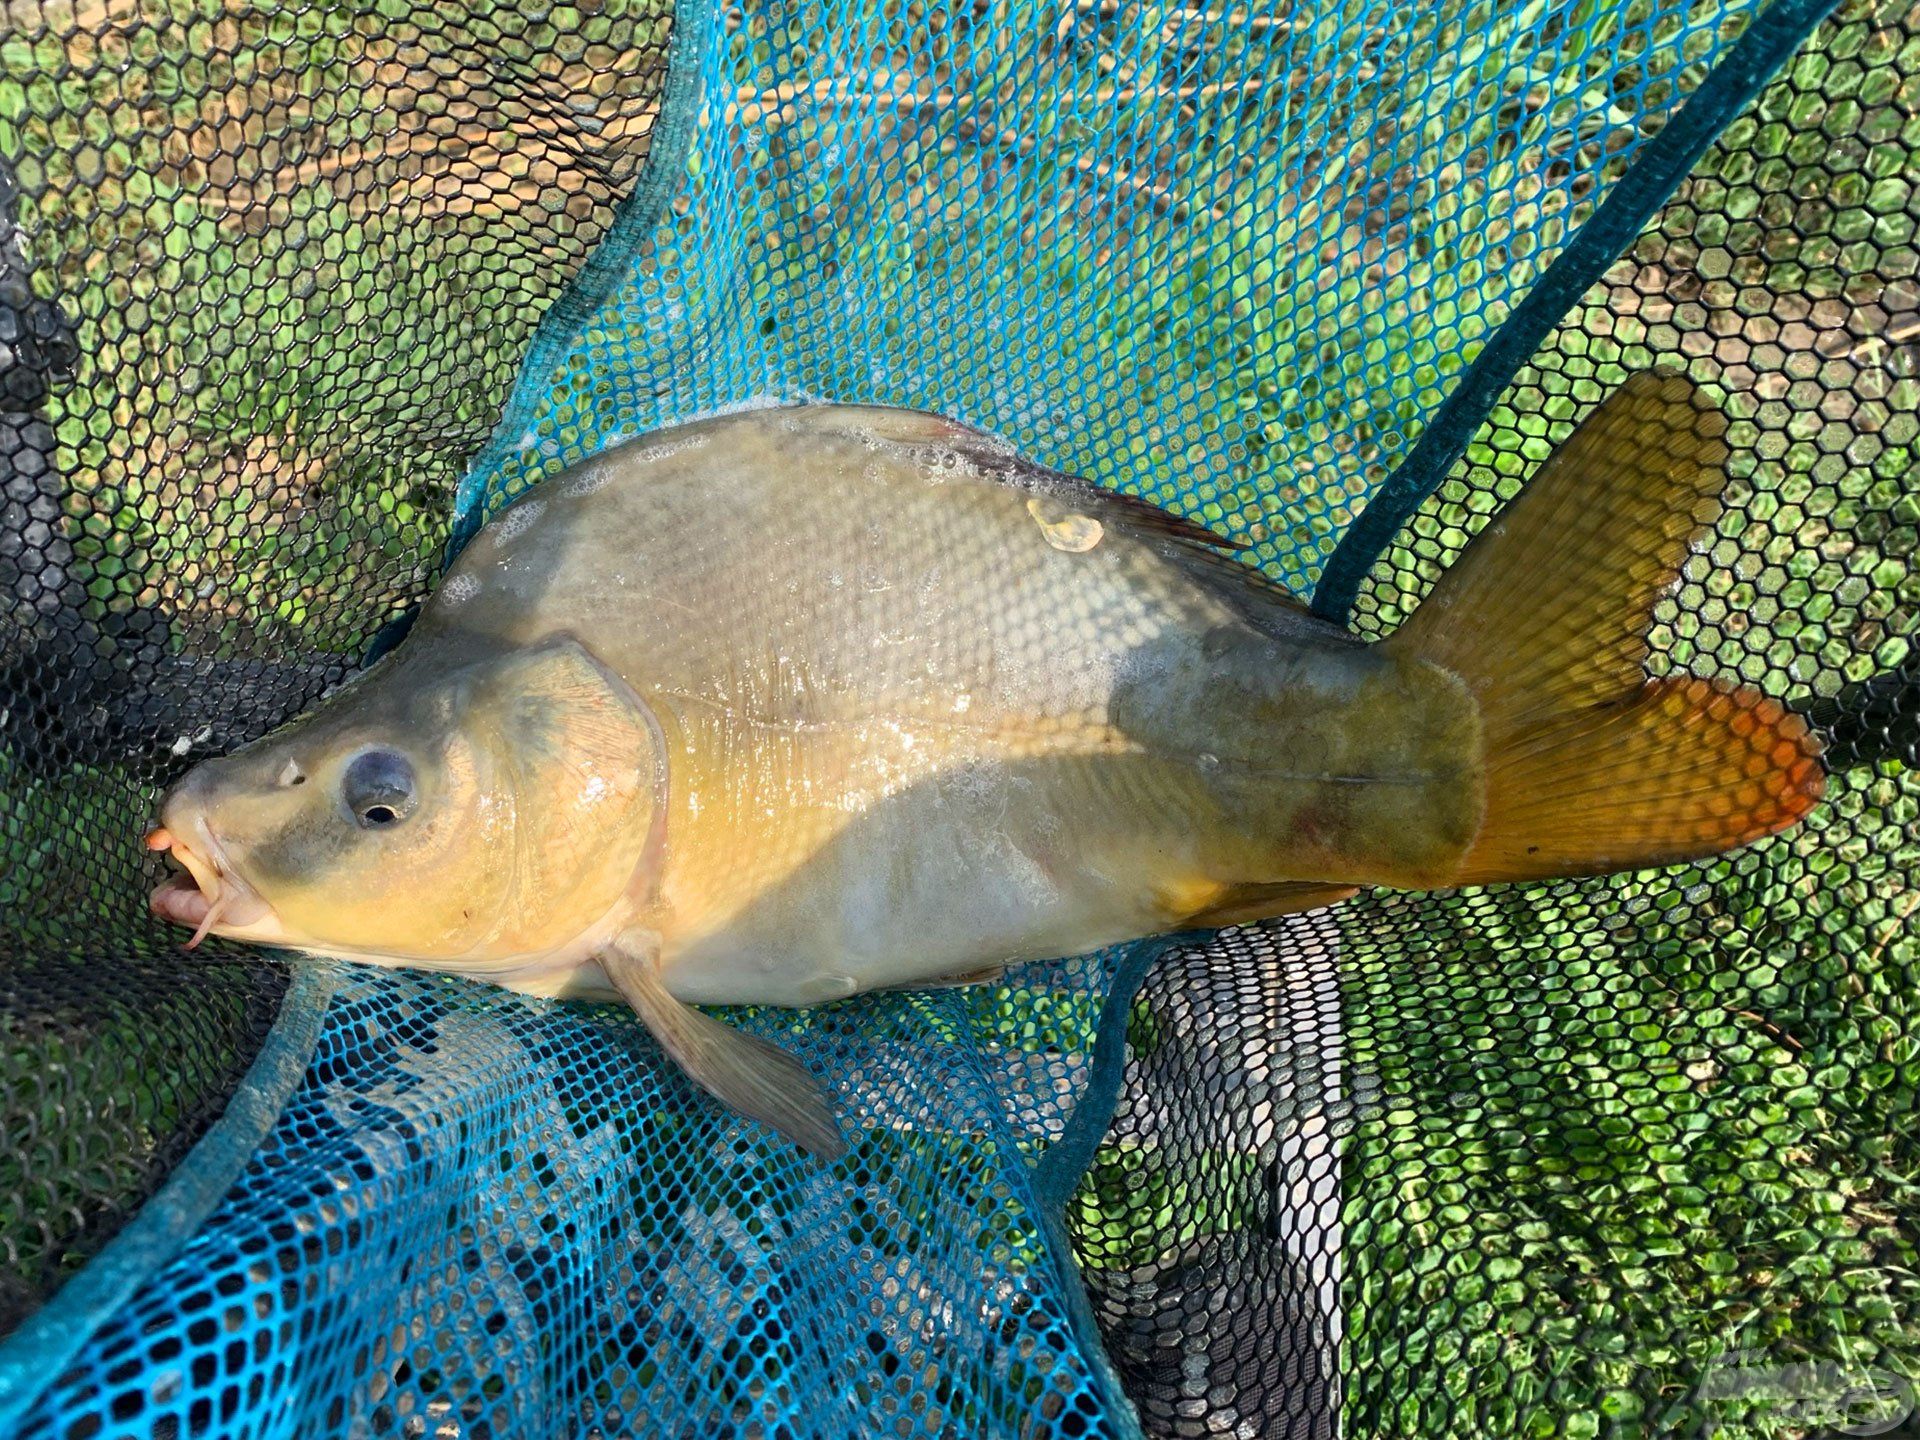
{"points": [[909, 727], [788, 705]]}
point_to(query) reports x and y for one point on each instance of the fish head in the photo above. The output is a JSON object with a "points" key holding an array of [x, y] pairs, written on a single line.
{"points": [[448, 817]]}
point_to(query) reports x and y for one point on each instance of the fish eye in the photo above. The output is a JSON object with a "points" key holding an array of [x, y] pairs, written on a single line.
{"points": [[378, 789]]}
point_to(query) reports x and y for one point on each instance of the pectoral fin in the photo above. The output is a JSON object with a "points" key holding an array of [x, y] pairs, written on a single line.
{"points": [[761, 1081], [986, 975]]}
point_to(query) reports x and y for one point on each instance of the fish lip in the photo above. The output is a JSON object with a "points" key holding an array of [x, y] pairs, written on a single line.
{"points": [[189, 895]]}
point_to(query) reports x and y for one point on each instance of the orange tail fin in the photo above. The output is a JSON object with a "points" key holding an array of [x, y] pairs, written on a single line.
{"points": [[1592, 767]]}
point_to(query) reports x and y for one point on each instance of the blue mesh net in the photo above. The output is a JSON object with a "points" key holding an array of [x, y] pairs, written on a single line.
{"points": [[1236, 261], [1230, 263], [480, 1216]]}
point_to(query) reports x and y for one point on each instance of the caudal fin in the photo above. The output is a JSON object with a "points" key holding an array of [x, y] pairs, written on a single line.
{"points": [[1591, 766]]}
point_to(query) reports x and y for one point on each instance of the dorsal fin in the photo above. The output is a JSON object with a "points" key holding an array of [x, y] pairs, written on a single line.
{"points": [[994, 457], [1198, 549]]}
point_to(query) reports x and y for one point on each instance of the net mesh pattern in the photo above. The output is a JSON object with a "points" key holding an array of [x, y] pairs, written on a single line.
{"points": [[484, 1217], [265, 273], [1621, 1156]]}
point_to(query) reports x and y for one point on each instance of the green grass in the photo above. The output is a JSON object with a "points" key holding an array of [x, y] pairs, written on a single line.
{"points": [[298, 319], [1358, 206], [1630, 1128], [121, 1090]]}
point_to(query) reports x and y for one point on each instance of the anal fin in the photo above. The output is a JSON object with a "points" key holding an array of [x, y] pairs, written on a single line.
{"points": [[743, 1072], [1243, 904], [985, 975]]}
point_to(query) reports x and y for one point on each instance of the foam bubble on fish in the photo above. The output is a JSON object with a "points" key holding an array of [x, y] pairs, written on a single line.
{"points": [[654, 454], [935, 462], [996, 445], [594, 477], [947, 463], [517, 521], [459, 589], [766, 400]]}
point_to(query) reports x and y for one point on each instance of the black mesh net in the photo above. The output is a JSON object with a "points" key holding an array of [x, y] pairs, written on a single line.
{"points": [[1209, 1226]]}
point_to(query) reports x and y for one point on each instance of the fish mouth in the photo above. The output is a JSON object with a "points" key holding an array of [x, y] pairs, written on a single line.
{"points": [[205, 895]]}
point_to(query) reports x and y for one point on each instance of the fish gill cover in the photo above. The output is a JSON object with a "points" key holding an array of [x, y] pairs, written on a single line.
{"points": [[1618, 1156]]}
